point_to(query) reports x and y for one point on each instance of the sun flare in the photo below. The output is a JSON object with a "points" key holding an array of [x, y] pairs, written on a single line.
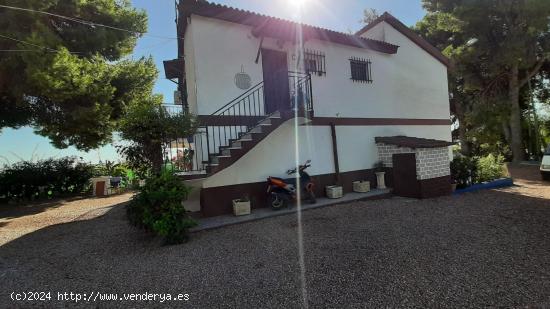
{"points": [[297, 3]]}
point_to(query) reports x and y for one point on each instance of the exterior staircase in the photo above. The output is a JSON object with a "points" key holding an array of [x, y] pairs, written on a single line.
{"points": [[236, 128], [248, 140]]}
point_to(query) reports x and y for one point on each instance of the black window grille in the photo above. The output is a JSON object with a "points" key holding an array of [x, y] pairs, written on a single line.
{"points": [[314, 62], [361, 70]]}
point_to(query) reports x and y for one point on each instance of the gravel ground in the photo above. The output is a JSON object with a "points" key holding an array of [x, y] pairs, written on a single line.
{"points": [[16, 221], [484, 249]]}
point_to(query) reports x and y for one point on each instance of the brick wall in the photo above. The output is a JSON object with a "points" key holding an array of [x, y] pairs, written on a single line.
{"points": [[430, 162]]}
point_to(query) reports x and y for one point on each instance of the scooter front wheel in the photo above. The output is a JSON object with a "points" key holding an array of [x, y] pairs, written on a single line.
{"points": [[276, 202]]}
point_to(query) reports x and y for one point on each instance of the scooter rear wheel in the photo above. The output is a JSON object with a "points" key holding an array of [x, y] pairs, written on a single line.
{"points": [[276, 202]]}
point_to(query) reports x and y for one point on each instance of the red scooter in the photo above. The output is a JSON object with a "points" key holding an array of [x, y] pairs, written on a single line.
{"points": [[282, 191]]}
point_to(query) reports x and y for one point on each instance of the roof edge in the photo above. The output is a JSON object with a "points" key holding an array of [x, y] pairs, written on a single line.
{"points": [[411, 35], [231, 14]]}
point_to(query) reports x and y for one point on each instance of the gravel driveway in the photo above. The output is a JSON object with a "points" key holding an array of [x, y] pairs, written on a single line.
{"points": [[483, 249]]}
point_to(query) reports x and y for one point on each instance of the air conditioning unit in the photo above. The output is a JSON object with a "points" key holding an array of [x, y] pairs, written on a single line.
{"points": [[177, 98]]}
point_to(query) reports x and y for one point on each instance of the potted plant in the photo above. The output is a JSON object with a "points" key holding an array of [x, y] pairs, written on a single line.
{"points": [[241, 207], [380, 174]]}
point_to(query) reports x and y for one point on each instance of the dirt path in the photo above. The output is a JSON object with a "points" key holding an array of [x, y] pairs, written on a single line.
{"points": [[528, 182], [17, 221]]}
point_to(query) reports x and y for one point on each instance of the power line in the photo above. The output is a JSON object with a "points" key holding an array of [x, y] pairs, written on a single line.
{"points": [[85, 22], [35, 45]]}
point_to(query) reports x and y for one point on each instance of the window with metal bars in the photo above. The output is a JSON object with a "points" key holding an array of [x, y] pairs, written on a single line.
{"points": [[361, 70], [314, 62]]}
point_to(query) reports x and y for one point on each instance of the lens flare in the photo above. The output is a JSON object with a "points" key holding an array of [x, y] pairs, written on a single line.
{"points": [[297, 3]]}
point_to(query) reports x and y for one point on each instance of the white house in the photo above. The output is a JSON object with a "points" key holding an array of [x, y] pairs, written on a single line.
{"points": [[261, 85]]}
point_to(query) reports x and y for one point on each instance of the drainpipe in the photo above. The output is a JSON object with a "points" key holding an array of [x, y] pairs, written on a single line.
{"points": [[335, 152]]}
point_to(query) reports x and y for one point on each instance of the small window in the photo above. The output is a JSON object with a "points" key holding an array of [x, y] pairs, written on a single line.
{"points": [[361, 70], [314, 62]]}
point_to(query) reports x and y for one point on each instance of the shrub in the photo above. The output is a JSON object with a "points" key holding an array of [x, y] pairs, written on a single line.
{"points": [[463, 171], [158, 208], [469, 170], [490, 168], [49, 178]]}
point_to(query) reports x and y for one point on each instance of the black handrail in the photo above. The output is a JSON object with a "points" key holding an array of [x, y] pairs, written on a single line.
{"points": [[237, 118], [237, 98]]}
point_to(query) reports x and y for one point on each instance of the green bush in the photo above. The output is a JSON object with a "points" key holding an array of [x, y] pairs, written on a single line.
{"points": [[49, 178], [158, 208], [469, 170], [490, 168], [463, 171]]}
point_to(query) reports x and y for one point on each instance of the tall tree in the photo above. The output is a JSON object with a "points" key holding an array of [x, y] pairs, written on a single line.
{"points": [[64, 76], [506, 44]]}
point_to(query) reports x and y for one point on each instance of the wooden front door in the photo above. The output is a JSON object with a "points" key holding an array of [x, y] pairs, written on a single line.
{"points": [[276, 85], [404, 175]]}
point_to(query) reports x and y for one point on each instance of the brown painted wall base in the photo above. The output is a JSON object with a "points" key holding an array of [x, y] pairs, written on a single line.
{"points": [[216, 201], [435, 187]]}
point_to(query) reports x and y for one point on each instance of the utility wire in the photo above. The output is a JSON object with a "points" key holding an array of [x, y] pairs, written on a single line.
{"points": [[35, 45], [85, 22]]}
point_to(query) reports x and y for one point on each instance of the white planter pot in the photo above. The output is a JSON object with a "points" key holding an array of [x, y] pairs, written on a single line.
{"points": [[334, 191], [241, 208], [380, 181], [361, 186]]}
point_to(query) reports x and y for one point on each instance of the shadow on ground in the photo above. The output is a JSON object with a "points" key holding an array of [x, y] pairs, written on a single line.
{"points": [[489, 248], [9, 211]]}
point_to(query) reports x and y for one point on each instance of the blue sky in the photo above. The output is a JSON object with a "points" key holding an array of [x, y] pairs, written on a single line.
{"points": [[340, 15]]}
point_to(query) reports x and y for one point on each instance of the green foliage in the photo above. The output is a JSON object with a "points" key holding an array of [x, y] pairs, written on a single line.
{"points": [[485, 40], [463, 171], [148, 126], [158, 208], [470, 170], [44, 179], [489, 168], [74, 92], [110, 168]]}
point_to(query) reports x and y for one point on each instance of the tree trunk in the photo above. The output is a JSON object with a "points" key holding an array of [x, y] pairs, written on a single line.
{"points": [[515, 116], [155, 156]]}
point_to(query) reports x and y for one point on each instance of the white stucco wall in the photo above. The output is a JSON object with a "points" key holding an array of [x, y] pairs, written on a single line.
{"points": [[190, 70], [409, 84], [276, 153]]}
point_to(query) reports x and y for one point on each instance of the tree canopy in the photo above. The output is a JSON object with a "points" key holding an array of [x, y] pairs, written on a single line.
{"points": [[498, 48], [64, 76]]}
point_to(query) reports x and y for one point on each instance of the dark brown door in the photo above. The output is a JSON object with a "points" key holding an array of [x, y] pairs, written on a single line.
{"points": [[276, 88], [404, 175]]}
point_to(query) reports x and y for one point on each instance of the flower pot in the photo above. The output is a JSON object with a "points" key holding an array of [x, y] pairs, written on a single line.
{"points": [[361, 186], [334, 191], [380, 181], [241, 208]]}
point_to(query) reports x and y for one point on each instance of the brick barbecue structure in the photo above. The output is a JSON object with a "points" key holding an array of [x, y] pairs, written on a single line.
{"points": [[424, 165]]}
